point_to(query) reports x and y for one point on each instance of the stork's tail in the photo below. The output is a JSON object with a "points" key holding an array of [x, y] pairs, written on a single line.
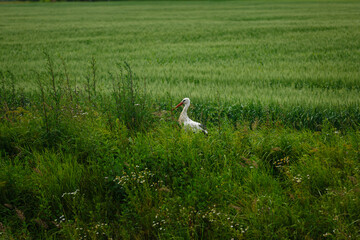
{"points": [[203, 129]]}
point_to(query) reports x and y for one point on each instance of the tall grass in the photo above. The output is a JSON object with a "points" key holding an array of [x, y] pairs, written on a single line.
{"points": [[263, 183], [99, 172], [130, 98]]}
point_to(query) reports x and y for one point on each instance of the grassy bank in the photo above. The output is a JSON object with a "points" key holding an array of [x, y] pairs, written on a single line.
{"points": [[99, 182], [91, 179], [81, 164]]}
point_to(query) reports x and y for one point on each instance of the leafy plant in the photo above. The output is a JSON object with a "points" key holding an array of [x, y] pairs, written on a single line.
{"points": [[131, 103]]}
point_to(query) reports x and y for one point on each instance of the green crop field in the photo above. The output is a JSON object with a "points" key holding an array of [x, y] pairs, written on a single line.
{"points": [[287, 54], [282, 52], [89, 148]]}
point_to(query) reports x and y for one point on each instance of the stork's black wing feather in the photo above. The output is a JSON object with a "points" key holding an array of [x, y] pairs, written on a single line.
{"points": [[203, 128]]}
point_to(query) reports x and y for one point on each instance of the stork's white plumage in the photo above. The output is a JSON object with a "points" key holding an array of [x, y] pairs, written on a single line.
{"points": [[186, 121]]}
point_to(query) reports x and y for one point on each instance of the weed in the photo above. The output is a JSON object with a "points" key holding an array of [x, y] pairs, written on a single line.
{"points": [[131, 104]]}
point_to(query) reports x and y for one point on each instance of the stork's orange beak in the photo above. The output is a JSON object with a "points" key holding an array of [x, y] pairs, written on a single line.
{"points": [[179, 105]]}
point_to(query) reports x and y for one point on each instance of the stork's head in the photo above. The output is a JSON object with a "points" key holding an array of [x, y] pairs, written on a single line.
{"points": [[185, 101]]}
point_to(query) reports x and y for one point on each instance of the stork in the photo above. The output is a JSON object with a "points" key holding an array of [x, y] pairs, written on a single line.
{"points": [[186, 121]]}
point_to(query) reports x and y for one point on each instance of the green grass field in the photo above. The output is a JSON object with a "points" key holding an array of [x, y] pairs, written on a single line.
{"points": [[90, 150], [283, 52]]}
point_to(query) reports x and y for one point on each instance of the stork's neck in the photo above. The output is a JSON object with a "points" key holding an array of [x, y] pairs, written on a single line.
{"points": [[183, 116]]}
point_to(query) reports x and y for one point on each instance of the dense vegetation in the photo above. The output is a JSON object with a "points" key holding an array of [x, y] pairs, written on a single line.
{"points": [[89, 148]]}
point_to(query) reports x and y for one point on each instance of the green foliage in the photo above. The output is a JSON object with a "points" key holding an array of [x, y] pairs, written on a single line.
{"points": [[167, 183], [11, 95], [131, 105]]}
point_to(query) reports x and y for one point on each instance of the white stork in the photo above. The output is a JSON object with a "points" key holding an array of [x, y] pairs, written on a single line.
{"points": [[186, 121]]}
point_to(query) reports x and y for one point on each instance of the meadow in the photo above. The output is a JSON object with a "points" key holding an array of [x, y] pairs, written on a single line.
{"points": [[90, 148]]}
